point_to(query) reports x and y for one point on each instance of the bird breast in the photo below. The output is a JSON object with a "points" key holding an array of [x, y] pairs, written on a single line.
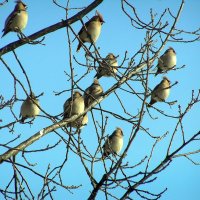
{"points": [[19, 21], [162, 94], [116, 144], [78, 106], [30, 109], [94, 29], [168, 61], [80, 122]]}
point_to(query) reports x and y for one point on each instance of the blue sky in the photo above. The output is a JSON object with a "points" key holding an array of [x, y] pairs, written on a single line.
{"points": [[45, 66]]}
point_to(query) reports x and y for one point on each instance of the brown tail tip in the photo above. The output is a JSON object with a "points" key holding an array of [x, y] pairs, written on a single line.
{"points": [[103, 157], [98, 76], [4, 33], [158, 71], [151, 103], [79, 46], [22, 119]]}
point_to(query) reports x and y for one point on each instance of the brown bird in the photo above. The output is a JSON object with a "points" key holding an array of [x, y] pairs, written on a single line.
{"points": [[161, 92], [108, 67], [91, 30], [114, 143], [17, 20], [29, 107], [167, 61], [74, 105], [93, 92]]}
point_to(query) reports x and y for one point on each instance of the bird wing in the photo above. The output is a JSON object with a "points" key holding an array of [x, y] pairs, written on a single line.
{"points": [[67, 105], [10, 18], [156, 88], [108, 141], [110, 138], [83, 27], [88, 90]]}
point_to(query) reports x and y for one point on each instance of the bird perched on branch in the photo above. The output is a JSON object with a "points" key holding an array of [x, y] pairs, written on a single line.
{"points": [[161, 92], [80, 122], [93, 92], [74, 105], [17, 20], [29, 107], [91, 30], [114, 143], [108, 67], [167, 61]]}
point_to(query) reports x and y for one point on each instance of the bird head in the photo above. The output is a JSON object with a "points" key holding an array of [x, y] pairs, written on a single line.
{"points": [[171, 50], [110, 56], [119, 131], [166, 79], [32, 95], [20, 5], [77, 94], [99, 17]]}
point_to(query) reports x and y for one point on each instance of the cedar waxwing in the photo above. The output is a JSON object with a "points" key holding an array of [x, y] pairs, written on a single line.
{"points": [[80, 122], [74, 105], [92, 92], [17, 20], [93, 31], [29, 107], [161, 92], [108, 67], [167, 61], [114, 143]]}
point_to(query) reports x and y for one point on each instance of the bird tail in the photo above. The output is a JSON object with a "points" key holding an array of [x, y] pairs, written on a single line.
{"points": [[79, 46], [22, 119], [98, 76], [4, 33], [158, 71], [151, 103], [103, 157]]}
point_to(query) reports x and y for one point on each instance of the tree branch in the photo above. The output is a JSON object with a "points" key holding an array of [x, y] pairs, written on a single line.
{"points": [[50, 29]]}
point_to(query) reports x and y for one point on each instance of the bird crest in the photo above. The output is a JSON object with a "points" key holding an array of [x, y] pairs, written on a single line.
{"points": [[20, 4], [170, 48], [111, 56], [165, 78], [77, 93], [119, 129], [100, 16]]}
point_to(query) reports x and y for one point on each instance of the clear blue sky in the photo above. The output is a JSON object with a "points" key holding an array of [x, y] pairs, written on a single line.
{"points": [[45, 66]]}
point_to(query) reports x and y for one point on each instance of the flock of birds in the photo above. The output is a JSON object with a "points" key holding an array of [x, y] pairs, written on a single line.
{"points": [[76, 104]]}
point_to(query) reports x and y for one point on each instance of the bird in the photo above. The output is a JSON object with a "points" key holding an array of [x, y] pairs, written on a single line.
{"points": [[167, 61], [91, 30], [108, 67], [114, 143], [80, 122], [93, 92], [161, 92], [29, 107], [74, 105], [17, 20]]}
